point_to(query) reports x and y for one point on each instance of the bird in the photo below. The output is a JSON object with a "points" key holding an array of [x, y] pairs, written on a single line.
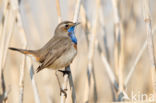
{"points": [[59, 51]]}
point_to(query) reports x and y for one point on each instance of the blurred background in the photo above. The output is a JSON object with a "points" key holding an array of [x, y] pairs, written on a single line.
{"points": [[34, 21]]}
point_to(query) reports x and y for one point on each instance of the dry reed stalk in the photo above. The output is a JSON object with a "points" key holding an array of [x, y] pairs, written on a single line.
{"points": [[24, 40], [31, 70], [77, 10], [35, 90], [1, 26], [105, 54], [104, 35], [58, 10], [72, 88], [10, 24], [123, 94], [4, 25], [3, 33], [118, 50], [136, 62], [85, 22], [87, 28], [9, 20], [147, 19], [65, 84], [21, 80], [91, 48], [109, 71], [116, 36], [29, 62], [105, 59]]}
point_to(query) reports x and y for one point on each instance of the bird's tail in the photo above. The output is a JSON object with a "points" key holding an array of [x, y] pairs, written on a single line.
{"points": [[23, 51]]}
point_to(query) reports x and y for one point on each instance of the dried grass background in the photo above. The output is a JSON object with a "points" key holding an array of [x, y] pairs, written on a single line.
{"points": [[32, 23]]}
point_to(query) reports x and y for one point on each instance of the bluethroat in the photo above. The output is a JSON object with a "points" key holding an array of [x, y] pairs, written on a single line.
{"points": [[60, 50]]}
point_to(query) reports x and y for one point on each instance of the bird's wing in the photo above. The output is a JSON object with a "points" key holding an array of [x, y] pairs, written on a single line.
{"points": [[55, 52]]}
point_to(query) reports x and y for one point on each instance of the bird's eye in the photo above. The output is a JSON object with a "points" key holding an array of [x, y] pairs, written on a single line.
{"points": [[66, 25]]}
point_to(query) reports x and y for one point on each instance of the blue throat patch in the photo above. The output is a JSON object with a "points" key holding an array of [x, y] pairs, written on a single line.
{"points": [[72, 34]]}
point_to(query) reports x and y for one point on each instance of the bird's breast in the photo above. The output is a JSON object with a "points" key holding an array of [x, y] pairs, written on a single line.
{"points": [[66, 58], [75, 46]]}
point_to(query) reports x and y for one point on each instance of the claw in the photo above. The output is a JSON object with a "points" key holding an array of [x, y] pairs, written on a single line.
{"points": [[64, 92], [64, 72]]}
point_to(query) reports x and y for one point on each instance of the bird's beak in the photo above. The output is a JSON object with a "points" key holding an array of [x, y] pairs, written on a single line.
{"points": [[71, 29], [77, 23]]}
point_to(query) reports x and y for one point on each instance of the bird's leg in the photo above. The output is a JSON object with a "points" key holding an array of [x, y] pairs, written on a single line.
{"points": [[64, 72], [61, 90]]}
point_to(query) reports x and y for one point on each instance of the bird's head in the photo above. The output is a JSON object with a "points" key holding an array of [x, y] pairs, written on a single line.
{"points": [[66, 29]]}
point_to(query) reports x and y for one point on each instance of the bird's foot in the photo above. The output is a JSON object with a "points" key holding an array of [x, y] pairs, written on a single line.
{"points": [[64, 92], [64, 72]]}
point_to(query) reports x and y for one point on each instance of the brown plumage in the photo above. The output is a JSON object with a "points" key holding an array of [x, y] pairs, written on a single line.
{"points": [[59, 52]]}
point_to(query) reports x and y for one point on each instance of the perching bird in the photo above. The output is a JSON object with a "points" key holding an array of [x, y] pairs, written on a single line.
{"points": [[60, 51]]}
